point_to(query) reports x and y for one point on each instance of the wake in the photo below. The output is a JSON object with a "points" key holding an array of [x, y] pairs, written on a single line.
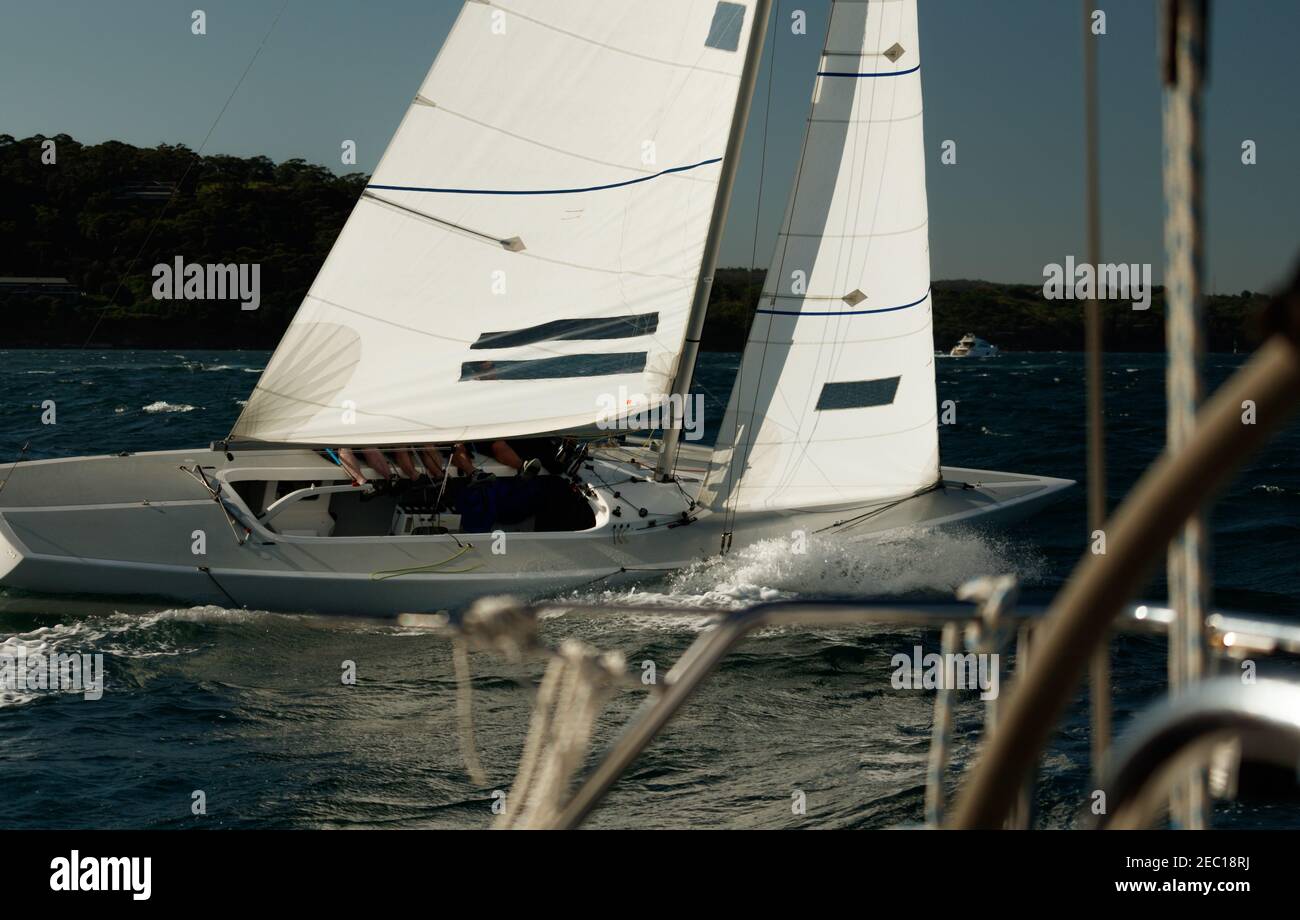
{"points": [[916, 564]]}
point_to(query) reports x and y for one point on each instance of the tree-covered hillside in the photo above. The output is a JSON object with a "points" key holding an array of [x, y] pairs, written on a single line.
{"points": [[103, 215], [88, 216]]}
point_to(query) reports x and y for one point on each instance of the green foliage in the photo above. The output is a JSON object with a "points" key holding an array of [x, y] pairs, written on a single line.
{"points": [[1014, 317], [102, 217]]}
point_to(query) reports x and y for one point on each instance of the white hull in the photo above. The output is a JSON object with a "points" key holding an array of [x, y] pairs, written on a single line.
{"points": [[126, 526], [990, 351], [972, 347]]}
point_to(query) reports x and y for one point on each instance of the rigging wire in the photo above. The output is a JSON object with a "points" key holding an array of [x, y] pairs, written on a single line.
{"points": [[215, 492], [21, 454], [234, 604], [624, 569], [1099, 670], [618, 496], [1184, 44], [850, 523], [729, 507]]}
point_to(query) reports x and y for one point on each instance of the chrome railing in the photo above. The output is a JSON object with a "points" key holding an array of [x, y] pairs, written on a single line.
{"points": [[987, 625]]}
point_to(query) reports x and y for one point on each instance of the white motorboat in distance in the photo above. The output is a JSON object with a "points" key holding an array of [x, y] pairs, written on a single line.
{"points": [[971, 346]]}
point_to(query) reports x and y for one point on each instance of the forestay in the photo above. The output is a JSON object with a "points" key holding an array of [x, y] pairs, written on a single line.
{"points": [[835, 400], [531, 239]]}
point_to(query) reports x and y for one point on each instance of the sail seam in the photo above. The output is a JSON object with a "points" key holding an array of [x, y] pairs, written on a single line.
{"points": [[608, 47], [759, 442], [442, 338], [417, 431], [526, 254], [536, 143]]}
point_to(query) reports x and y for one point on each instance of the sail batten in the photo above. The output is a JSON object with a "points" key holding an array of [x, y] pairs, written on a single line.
{"points": [[558, 165]]}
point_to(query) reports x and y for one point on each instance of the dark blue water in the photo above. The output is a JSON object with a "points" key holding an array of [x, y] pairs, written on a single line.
{"points": [[249, 708]]}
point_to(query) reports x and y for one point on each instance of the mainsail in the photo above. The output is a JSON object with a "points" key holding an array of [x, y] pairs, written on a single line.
{"points": [[530, 242], [835, 399]]}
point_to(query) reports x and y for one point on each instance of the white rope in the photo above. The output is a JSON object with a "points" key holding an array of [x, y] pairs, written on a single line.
{"points": [[497, 624], [465, 712], [539, 727], [1188, 568], [577, 682]]}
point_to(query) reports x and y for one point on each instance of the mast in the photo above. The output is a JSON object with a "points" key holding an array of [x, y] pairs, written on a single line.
{"points": [[712, 242]]}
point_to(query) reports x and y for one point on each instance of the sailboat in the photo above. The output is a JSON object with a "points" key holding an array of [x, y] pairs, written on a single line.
{"points": [[542, 232]]}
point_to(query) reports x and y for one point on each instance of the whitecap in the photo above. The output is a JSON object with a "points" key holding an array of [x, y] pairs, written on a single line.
{"points": [[115, 636], [161, 406]]}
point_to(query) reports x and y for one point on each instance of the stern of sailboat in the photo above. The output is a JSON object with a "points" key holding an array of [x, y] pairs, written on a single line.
{"points": [[199, 528]]}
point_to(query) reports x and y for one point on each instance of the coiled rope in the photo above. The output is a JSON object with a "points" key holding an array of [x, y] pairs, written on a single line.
{"points": [[577, 682]]}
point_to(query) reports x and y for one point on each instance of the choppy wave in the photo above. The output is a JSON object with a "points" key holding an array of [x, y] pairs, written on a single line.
{"points": [[118, 635], [163, 406], [1272, 489]]}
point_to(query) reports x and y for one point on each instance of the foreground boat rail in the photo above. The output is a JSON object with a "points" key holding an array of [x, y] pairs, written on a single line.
{"points": [[1214, 721], [508, 627]]}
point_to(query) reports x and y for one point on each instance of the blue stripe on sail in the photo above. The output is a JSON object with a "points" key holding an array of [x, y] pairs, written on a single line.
{"points": [[555, 191], [843, 312], [839, 73]]}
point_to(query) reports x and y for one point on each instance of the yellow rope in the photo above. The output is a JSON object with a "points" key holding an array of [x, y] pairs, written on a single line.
{"points": [[394, 573]]}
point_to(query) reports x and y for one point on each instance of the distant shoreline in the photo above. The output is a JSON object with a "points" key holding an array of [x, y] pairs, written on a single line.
{"points": [[78, 246], [1015, 317]]}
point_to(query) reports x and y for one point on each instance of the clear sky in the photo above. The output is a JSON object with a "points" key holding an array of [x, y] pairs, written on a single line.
{"points": [[1002, 78]]}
